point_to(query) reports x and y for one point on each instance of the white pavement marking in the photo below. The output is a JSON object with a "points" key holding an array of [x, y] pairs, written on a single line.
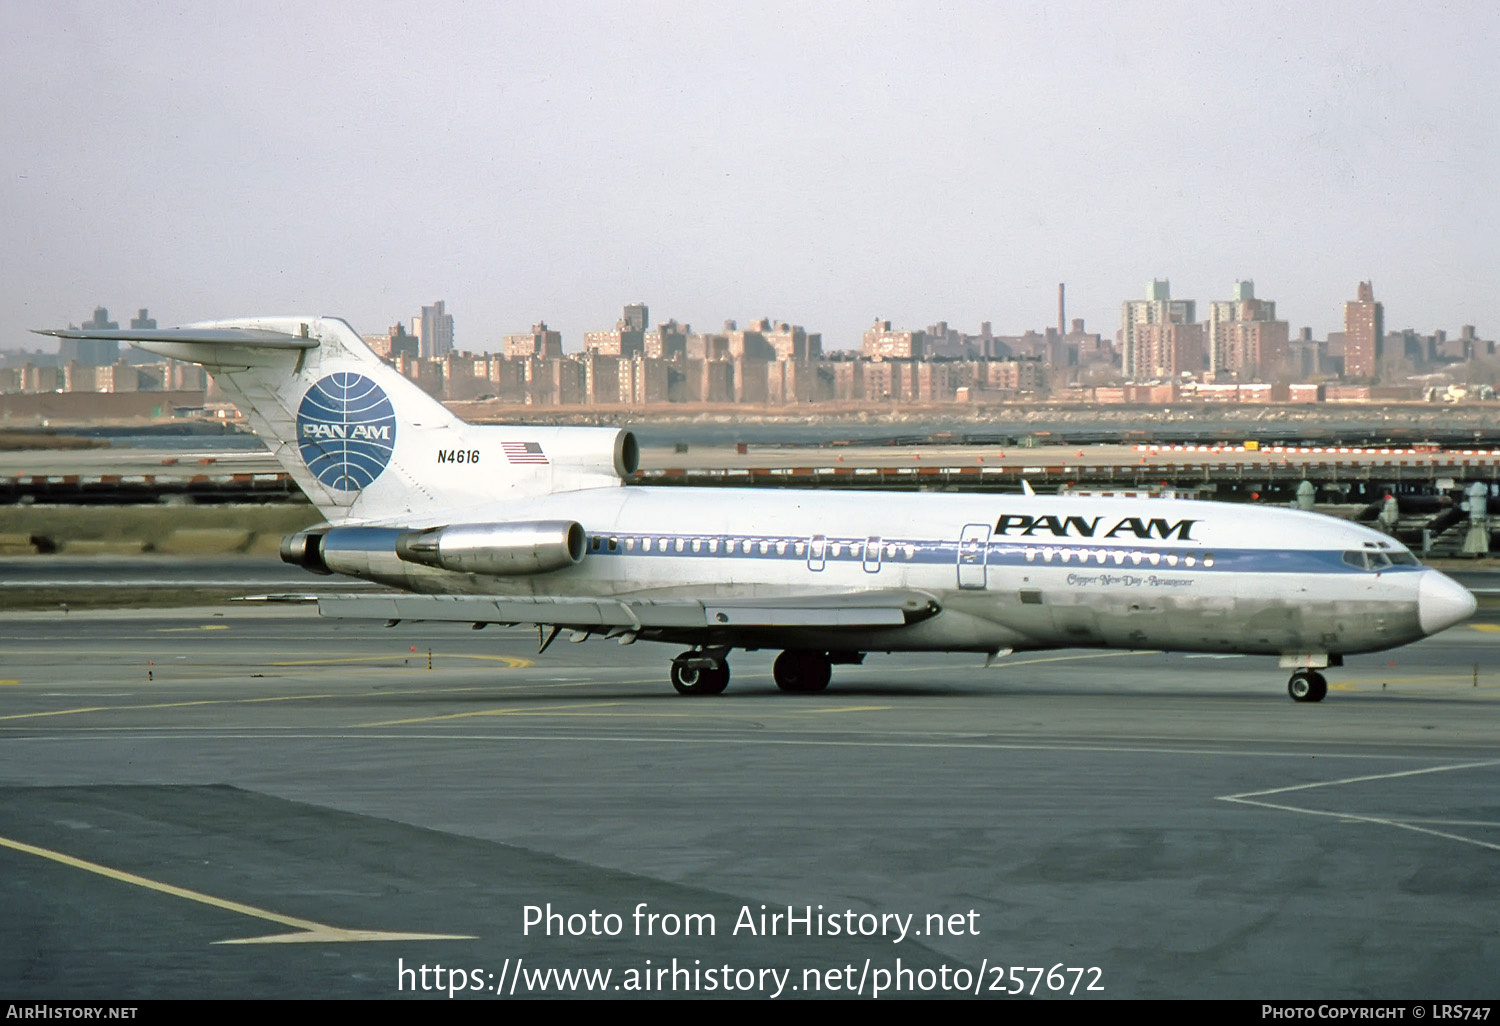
{"points": [[1399, 822]]}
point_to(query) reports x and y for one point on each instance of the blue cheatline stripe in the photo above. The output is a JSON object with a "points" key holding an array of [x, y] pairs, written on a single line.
{"points": [[997, 554], [927, 552]]}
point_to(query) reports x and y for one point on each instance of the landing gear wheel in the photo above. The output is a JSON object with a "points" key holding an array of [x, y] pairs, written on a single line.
{"points": [[1307, 686], [718, 679], [801, 672], [694, 680]]}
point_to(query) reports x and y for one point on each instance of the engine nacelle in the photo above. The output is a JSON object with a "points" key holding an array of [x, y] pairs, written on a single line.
{"points": [[627, 454], [368, 552], [305, 549], [555, 459], [502, 550]]}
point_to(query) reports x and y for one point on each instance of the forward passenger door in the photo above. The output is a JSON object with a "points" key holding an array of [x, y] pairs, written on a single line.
{"points": [[973, 555]]}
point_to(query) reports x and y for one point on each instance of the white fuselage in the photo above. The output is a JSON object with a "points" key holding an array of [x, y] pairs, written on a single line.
{"points": [[1008, 571]]}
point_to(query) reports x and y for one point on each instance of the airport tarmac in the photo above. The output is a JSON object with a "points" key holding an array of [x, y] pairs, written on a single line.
{"points": [[166, 464], [255, 802]]}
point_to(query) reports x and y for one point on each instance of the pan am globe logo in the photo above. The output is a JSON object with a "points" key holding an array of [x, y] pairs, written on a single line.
{"points": [[346, 431]]}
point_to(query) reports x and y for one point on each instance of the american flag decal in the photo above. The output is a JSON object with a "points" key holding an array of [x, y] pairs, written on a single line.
{"points": [[523, 452]]}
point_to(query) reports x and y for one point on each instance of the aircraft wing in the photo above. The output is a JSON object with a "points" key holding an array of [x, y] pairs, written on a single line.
{"points": [[845, 609]]}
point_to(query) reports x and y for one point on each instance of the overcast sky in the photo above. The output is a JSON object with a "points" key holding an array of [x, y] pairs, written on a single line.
{"points": [[819, 163]]}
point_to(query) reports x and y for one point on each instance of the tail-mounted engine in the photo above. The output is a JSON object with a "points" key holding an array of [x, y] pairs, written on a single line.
{"points": [[305, 549], [501, 550], [389, 554]]}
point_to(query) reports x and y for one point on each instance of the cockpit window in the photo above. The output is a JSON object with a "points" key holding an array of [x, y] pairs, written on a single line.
{"points": [[1377, 561]]}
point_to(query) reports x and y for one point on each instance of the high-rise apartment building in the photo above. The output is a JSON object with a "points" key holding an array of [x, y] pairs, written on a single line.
{"points": [[666, 341], [1364, 331], [792, 342], [881, 343], [1158, 335], [434, 331], [628, 339], [394, 343], [540, 341], [747, 343], [93, 352], [100, 321], [1245, 340]]}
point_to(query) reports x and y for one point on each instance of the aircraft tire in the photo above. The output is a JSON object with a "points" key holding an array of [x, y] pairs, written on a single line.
{"points": [[1307, 686], [718, 679], [799, 672], [692, 681]]}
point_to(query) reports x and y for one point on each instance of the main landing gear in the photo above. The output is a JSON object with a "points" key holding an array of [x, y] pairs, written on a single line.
{"points": [[700, 673], [705, 671], [802, 672], [1307, 686]]}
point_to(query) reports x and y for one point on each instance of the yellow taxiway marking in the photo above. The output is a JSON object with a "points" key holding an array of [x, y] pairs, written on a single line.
{"points": [[511, 661], [4, 682], [1464, 679], [546, 710], [1488, 628], [595, 709], [162, 705], [225, 701], [307, 931], [201, 627]]}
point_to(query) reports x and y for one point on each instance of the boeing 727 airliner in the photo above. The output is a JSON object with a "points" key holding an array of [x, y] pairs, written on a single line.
{"points": [[536, 525]]}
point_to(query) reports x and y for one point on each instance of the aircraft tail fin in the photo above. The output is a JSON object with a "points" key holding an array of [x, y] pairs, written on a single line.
{"points": [[366, 443]]}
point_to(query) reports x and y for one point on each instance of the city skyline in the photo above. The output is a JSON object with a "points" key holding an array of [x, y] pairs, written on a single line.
{"points": [[497, 338], [824, 166], [1242, 353]]}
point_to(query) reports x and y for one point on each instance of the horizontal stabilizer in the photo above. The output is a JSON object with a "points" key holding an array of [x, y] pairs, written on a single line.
{"points": [[258, 338], [855, 609]]}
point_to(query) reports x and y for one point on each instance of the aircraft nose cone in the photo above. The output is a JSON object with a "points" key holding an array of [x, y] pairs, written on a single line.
{"points": [[1442, 602]]}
